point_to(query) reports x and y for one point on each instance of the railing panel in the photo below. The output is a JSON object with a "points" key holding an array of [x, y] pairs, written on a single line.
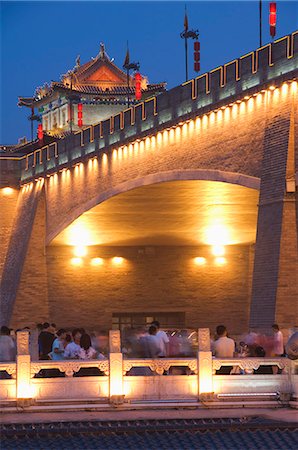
{"points": [[80, 388], [249, 384], [178, 387]]}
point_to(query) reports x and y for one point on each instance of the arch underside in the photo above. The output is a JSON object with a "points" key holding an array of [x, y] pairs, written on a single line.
{"points": [[160, 177]]}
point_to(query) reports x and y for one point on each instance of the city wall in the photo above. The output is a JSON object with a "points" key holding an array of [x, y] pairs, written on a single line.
{"points": [[237, 124]]}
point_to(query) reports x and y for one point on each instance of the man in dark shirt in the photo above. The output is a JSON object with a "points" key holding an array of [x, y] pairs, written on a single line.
{"points": [[45, 341]]}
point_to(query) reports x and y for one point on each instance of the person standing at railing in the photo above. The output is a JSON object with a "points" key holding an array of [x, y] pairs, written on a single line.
{"points": [[150, 343], [72, 350], [278, 345], [163, 340], [278, 341], [223, 347], [7, 345], [58, 346], [45, 341]]}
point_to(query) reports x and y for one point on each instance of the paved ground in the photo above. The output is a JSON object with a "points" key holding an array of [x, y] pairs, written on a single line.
{"points": [[281, 414]]}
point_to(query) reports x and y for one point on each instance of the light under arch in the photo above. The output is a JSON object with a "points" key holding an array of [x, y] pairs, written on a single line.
{"points": [[174, 175]]}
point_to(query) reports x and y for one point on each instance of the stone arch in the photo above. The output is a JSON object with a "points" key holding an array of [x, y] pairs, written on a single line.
{"points": [[172, 175]]}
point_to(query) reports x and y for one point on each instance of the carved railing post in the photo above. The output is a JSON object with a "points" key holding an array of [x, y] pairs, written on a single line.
{"points": [[205, 382], [23, 361], [116, 368]]}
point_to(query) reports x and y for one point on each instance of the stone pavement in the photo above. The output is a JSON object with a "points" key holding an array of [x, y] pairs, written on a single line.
{"points": [[278, 414]]}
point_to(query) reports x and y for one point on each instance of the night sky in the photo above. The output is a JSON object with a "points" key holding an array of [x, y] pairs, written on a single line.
{"points": [[41, 40]]}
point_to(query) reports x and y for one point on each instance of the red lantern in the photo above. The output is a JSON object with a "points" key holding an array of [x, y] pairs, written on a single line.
{"points": [[197, 47], [80, 114], [138, 79], [40, 132], [272, 18]]}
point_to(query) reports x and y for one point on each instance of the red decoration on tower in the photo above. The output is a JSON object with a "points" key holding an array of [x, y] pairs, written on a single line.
{"points": [[40, 132], [272, 19], [197, 65], [138, 79], [80, 114]]}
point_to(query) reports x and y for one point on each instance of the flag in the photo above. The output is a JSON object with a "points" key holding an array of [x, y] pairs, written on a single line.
{"points": [[185, 22], [126, 61]]}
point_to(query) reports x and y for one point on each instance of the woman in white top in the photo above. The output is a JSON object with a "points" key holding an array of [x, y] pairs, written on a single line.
{"points": [[86, 352]]}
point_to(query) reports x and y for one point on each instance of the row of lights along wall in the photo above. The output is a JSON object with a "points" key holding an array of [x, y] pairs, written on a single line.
{"points": [[194, 122], [118, 260], [80, 252]]}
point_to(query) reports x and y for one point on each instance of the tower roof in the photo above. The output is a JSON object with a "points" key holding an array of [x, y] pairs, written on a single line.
{"points": [[99, 71], [99, 76]]}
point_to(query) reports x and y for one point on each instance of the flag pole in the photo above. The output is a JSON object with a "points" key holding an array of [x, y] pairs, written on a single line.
{"points": [[186, 60], [260, 21]]}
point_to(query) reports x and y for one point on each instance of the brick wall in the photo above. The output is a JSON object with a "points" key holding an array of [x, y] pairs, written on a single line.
{"points": [[95, 113], [8, 202], [231, 141], [31, 303], [275, 285], [159, 279]]}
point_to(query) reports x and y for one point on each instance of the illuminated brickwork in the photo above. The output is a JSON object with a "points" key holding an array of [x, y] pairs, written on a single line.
{"points": [[159, 279], [231, 125]]}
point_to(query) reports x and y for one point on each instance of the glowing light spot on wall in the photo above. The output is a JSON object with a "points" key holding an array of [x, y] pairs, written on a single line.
{"points": [[76, 261], [136, 148], [276, 95], [198, 123], [165, 137], [95, 163], [114, 155], [79, 168], [142, 146], [218, 250], [259, 99], [171, 136], [130, 149], [212, 118], [184, 130], [118, 260], [220, 261], [250, 105], [90, 164], [199, 261], [96, 261], [153, 142], [271, 88], [285, 88], [242, 107], [104, 163], [234, 111], [219, 116], [7, 191], [205, 121], [147, 143], [227, 114], [217, 234], [191, 126], [120, 153], [177, 133], [80, 251], [65, 175], [78, 235], [294, 85], [159, 138], [25, 390]]}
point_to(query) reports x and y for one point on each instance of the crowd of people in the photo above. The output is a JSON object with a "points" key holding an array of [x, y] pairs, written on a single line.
{"points": [[48, 343]]}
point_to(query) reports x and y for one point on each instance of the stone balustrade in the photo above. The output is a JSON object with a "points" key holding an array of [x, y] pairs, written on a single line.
{"points": [[118, 384]]}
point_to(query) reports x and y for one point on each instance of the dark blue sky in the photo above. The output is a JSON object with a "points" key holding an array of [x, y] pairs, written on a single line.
{"points": [[40, 41]]}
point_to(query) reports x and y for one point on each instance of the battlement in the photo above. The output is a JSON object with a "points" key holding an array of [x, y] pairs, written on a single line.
{"points": [[271, 64]]}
